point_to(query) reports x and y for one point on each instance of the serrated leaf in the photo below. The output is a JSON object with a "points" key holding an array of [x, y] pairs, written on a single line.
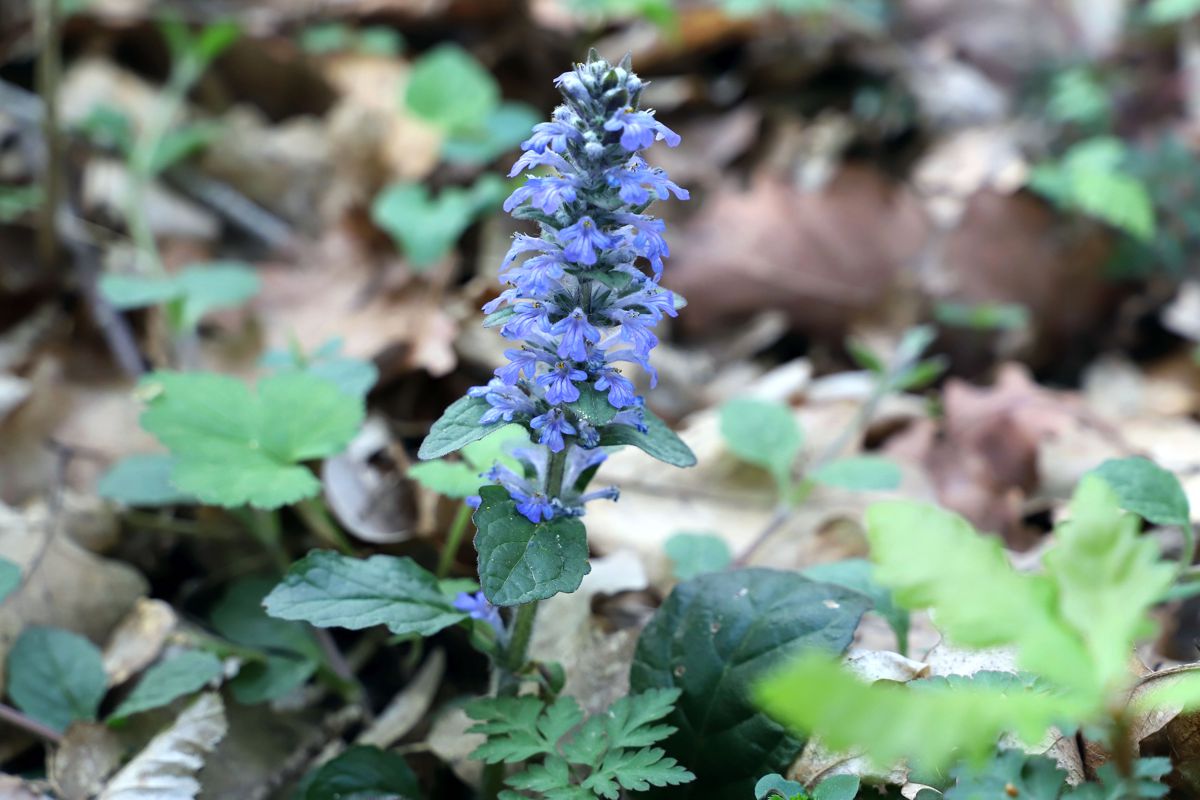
{"points": [[510, 724], [55, 676], [890, 722], [552, 774], [1033, 777], [169, 680], [1147, 490], [659, 441], [332, 590], [762, 433], [628, 722], [165, 769], [695, 554], [233, 447], [458, 426], [855, 574], [714, 638], [10, 578], [520, 562], [637, 771], [361, 771], [450, 88], [143, 480], [859, 473]]}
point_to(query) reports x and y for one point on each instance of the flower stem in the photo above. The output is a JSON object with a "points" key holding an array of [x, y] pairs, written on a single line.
{"points": [[450, 548]]}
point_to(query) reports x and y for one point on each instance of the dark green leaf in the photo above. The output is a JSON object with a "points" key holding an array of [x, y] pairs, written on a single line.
{"points": [[659, 441], [695, 554], [143, 480], [837, 787], [713, 638], [270, 679], [55, 676], [10, 578], [169, 680], [775, 785], [332, 590], [593, 406], [855, 574], [458, 426], [520, 562], [362, 772], [1147, 490]]}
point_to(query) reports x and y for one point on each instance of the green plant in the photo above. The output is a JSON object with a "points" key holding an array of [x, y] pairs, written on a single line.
{"points": [[427, 227], [1093, 178]]}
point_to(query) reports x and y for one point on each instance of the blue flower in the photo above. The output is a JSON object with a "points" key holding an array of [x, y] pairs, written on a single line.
{"points": [[639, 129], [538, 275], [620, 389], [522, 362], [478, 607], [550, 135], [506, 401], [582, 239], [545, 194], [577, 333], [559, 383], [551, 427], [533, 158]]}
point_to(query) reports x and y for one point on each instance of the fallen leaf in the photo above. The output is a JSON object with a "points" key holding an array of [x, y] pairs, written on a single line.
{"points": [[139, 639]]}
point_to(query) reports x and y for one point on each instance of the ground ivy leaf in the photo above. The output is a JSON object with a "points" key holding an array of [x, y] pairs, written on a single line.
{"points": [[10, 578], [143, 480], [714, 638], [659, 441], [1147, 490], [233, 447], [458, 426], [520, 562], [55, 676], [332, 590], [361, 771], [449, 87], [859, 473], [763, 433], [695, 554], [169, 680]]}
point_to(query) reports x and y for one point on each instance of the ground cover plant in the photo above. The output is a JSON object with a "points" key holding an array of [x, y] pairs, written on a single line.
{"points": [[357, 439]]}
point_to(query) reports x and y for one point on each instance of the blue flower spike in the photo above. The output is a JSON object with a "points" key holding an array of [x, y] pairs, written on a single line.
{"points": [[582, 296]]}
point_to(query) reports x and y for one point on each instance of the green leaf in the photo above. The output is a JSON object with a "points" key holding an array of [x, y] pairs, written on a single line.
{"points": [[659, 441], [1091, 179], [855, 574], [859, 473], [354, 376], [1034, 777], [17, 201], [233, 447], [933, 726], [695, 554], [714, 638], [593, 406], [169, 680], [1077, 96], [520, 562], [10, 578], [450, 478], [270, 679], [762, 433], [837, 787], [327, 37], [425, 228], [512, 726], [775, 785], [495, 447], [458, 426], [380, 40], [1165, 12], [636, 771], [1147, 490], [179, 144], [143, 480], [982, 316], [450, 88], [361, 772], [55, 676], [136, 291], [200, 288], [504, 129], [328, 589]]}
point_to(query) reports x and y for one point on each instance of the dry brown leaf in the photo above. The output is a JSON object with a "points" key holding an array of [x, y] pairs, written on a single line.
{"points": [[374, 504], [409, 706], [89, 754], [139, 639]]}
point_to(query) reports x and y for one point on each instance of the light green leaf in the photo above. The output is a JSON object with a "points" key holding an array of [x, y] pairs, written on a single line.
{"points": [[855, 574], [714, 638], [495, 447], [512, 726], [695, 554], [199, 289], [764, 434], [361, 772], [659, 441], [124, 292], [143, 480], [332, 590], [837, 787], [982, 316], [933, 726], [1091, 178], [450, 478], [425, 228], [1165, 12], [10, 578], [505, 128], [450, 88], [458, 426], [233, 447], [1077, 96], [169, 680], [520, 562], [354, 376], [775, 785], [859, 473], [55, 676], [1147, 490]]}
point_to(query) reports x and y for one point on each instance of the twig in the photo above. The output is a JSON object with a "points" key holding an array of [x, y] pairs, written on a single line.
{"points": [[18, 720]]}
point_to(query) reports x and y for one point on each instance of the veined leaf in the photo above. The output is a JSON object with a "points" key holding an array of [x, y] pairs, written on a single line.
{"points": [[659, 441], [458, 426], [764, 434], [169, 680], [55, 676], [1147, 490]]}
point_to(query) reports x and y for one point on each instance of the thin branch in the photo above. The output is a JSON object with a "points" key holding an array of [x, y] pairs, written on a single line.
{"points": [[28, 724]]}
